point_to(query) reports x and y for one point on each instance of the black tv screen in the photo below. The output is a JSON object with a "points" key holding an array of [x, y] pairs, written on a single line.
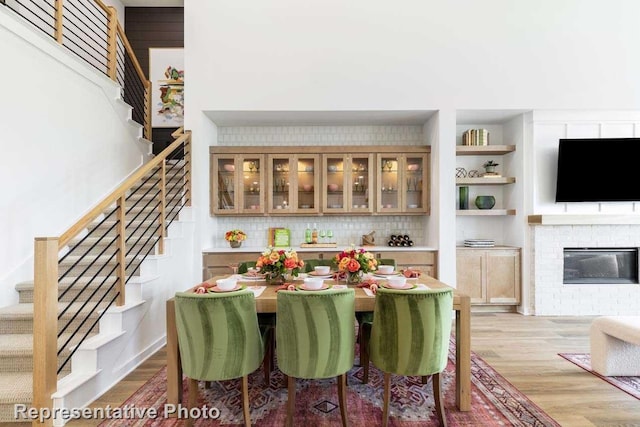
{"points": [[598, 170]]}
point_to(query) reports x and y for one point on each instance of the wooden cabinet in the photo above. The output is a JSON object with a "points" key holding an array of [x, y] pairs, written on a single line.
{"points": [[293, 183], [489, 276], [347, 181], [217, 263], [402, 183], [365, 180], [425, 261], [238, 184]]}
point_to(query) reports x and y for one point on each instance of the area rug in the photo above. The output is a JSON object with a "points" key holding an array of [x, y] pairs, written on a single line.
{"points": [[495, 402], [630, 385]]}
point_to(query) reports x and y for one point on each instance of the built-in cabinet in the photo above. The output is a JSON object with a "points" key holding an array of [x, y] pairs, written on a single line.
{"points": [[217, 263], [489, 276], [372, 180]]}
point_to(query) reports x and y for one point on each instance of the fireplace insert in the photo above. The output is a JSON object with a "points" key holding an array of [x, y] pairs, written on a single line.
{"points": [[600, 265]]}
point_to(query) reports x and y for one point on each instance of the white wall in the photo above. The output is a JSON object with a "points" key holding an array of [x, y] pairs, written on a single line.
{"points": [[417, 54], [66, 144]]}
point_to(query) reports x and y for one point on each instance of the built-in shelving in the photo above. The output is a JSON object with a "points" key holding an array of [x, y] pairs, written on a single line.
{"points": [[485, 212], [486, 181], [484, 150]]}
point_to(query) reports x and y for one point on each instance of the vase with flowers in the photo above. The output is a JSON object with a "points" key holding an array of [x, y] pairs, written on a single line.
{"points": [[275, 263], [235, 237], [354, 263]]}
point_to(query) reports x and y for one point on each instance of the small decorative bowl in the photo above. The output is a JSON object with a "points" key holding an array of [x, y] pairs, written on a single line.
{"points": [[307, 187], [412, 167], [229, 168], [333, 168], [332, 187], [485, 202]]}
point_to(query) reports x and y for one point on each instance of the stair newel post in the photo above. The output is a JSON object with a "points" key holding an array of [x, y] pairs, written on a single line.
{"points": [[45, 322], [58, 13], [112, 43], [187, 167], [163, 204], [121, 256]]}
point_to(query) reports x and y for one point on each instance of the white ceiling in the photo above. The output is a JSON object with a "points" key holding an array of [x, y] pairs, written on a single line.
{"points": [[152, 3], [319, 118]]}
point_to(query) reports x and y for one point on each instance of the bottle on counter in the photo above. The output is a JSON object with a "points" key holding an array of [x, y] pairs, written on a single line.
{"points": [[314, 234], [307, 234]]}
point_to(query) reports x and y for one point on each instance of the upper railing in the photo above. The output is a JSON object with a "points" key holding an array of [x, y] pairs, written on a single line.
{"points": [[90, 30], [97, 256]]}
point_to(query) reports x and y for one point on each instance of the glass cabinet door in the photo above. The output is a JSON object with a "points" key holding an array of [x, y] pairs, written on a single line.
{"points": [[336, 183], [389, 185], [225, 198], [361, 179], [415, 182], [252, 183], [279, 184], [307, 183]]}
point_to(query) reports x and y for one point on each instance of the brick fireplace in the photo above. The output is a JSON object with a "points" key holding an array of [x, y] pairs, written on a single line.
{"points": [[550, 295]]}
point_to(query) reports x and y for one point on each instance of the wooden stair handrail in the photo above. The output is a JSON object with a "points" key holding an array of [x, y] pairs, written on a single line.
{"points": [[132, 56], [118, 192]]}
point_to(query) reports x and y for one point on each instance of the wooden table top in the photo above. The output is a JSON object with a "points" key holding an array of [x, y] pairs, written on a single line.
{"points": [[266, 302]]}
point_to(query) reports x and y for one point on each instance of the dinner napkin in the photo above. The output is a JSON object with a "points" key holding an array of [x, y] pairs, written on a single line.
{"points": [[257, 290], [367, 290]]}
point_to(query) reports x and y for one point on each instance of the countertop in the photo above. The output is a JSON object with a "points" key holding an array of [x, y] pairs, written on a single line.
{"points": [[260, 249]]}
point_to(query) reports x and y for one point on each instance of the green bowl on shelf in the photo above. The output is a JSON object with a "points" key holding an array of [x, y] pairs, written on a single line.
{"points": [[485, 202]]}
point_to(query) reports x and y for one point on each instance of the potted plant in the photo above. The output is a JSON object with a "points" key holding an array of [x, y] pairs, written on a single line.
{"points": [[235, 237], [490, 166]]}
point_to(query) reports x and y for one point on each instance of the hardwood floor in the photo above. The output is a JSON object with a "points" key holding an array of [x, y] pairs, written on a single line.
{"points": [[524, 349]]}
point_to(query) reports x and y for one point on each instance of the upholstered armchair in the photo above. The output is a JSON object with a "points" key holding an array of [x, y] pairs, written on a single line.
{"points": [[219, 339], [315, 338], [410, 336]]}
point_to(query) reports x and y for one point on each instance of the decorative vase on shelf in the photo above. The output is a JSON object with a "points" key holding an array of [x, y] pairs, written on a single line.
{"points": [[485, 202], [464, 198], [354, 278], [235, 244]]}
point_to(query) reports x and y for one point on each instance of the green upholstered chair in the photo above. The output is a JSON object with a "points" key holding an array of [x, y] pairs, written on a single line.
{"points": [[365, 320], [219, 339], [315, 338], [243, 267], [410, 336], [310, 264]]}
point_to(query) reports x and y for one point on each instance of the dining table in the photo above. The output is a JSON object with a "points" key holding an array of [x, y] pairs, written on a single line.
{"points": [[266, 302]]}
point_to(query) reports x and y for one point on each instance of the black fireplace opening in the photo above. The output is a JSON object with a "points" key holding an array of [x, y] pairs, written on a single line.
{"points": [[600, 266]]}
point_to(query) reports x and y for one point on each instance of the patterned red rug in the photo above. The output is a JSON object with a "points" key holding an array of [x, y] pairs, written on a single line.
{"points": [[630, 385], [495, 402]]}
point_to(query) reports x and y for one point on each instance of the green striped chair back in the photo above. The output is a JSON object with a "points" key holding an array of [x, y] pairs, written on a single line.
{"points": [[386, 261], [315, 333], [410, 332], [218, 334]]}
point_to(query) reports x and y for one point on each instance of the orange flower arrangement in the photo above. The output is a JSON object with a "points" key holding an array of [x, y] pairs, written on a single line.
{"points": [[356, 260], [235, 236], [273, 262]]}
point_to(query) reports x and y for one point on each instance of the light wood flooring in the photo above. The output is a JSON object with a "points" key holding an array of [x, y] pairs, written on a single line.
{"points": [[524, 349]]}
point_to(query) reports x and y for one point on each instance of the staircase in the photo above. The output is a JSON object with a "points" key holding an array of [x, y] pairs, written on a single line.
{"points": [[83, 289]]}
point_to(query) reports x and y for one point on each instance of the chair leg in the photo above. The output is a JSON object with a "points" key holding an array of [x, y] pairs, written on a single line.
{"points": [[291, 400], [193, 398], [245, 401], [385, 405], [364, 351], [425, 379], [342, 397], [267, 359], [437, 396]]}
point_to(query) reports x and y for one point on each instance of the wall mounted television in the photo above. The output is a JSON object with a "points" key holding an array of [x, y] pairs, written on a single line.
{"points": [[598, 170]]}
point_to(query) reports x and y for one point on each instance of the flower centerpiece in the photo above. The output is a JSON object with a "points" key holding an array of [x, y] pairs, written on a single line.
{"points": [[274, 263], [235, 237], [354, 263]]}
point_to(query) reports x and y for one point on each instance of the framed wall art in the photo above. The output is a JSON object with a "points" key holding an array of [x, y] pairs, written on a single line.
{"points": [[166, 74]]}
